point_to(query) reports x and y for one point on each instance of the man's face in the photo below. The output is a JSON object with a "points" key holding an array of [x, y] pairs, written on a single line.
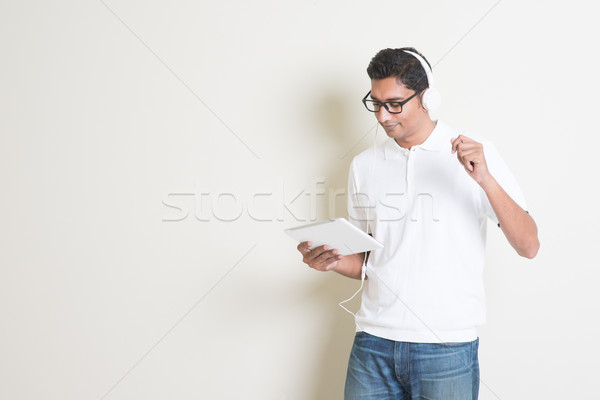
{"points": [[405, 125]]}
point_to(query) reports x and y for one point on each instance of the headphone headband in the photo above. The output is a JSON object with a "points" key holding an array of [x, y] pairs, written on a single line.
{"points": [[431, 97], [428, 71]]}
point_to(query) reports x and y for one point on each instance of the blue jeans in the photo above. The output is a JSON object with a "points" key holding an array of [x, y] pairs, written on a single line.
{"points": [[384, 369]]}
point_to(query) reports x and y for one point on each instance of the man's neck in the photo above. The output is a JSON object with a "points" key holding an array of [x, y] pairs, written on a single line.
{"points": [[420, 135]]}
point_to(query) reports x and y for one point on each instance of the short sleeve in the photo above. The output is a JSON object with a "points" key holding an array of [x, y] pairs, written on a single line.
{"points": [[356, 201], [505, 179]]}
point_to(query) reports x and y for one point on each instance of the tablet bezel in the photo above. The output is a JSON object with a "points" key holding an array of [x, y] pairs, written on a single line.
{"points": [[337, 233]]}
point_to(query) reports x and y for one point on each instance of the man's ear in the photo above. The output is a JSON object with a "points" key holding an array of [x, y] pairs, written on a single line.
{"points": [[420, 97]]}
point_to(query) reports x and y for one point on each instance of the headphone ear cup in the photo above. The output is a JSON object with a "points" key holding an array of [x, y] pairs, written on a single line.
{"points": [[431, 99]]}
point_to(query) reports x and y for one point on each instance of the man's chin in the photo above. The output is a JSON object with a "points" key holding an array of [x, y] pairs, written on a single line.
{"points": [[391, 130]]}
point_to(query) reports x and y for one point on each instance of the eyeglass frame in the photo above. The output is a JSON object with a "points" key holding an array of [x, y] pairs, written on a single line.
{"points": [[383, 103]]}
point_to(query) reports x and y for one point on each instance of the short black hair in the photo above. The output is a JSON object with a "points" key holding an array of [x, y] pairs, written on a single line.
{"points": [[405, 67]]}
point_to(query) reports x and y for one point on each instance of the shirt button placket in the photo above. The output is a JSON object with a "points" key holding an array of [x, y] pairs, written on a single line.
{"points": [[410, 160]]}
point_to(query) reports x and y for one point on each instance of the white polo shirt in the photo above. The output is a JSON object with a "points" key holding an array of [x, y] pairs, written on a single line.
{"points": [[426, 284]]}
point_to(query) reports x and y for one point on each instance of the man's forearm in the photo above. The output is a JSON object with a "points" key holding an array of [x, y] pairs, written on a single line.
{"points": [[516, 224], [350, 265]]}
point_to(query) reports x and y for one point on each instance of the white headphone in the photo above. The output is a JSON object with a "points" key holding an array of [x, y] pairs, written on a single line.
{"points": [[431, 97]]}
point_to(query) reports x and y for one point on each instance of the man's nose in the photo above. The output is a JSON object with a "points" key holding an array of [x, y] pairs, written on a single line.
{"points": [[382, 115]]}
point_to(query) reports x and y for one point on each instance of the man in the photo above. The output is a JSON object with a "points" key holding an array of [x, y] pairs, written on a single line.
{"points": [[426, 194]]}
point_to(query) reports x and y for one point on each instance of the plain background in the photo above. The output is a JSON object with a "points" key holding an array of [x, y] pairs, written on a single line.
{"points": [[151, 154]]}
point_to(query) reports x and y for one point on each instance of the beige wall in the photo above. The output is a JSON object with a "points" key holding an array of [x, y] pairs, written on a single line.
{"points": [[112, 111]]}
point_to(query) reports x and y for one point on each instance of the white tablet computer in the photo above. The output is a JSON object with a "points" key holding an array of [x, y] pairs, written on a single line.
{"points": [[338, 234]]}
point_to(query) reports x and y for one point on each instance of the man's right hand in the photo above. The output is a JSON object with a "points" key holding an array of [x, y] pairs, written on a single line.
{"points": [[321, 258]]}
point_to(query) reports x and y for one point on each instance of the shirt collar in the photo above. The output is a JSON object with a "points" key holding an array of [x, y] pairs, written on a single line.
{"points": [[438, 140]]}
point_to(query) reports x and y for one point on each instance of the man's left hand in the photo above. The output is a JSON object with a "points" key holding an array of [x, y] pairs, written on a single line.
{"points": [[470, 155]]}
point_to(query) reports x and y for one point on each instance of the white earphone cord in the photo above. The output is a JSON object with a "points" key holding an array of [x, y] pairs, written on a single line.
{"points": [[363, 270]]}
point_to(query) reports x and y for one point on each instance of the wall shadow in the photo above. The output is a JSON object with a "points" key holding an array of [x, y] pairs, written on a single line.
{"points": [[338, 335], [333, 112]]}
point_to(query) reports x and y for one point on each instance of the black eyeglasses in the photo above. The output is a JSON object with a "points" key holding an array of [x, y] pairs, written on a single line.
{"points": [[393, 107]]}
